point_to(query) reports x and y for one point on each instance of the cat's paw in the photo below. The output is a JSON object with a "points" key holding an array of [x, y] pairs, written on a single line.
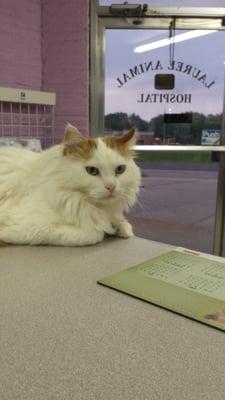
{"points": [[111, 230], [124, 229]]}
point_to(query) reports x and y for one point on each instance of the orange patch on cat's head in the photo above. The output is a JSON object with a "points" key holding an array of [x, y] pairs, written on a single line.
{"points": [[83, 149], [78, 146], [123, 144]]}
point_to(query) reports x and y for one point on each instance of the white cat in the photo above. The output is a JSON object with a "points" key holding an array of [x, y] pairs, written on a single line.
{"points": [[71, 194]]}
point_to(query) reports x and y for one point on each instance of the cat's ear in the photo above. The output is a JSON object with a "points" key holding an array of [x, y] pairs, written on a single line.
{"points": [[77, 145], [129, 138], [71, 134], [72, 139]]}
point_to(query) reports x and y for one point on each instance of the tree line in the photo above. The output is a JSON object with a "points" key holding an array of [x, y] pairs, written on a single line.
{"points": [[182, 133]]}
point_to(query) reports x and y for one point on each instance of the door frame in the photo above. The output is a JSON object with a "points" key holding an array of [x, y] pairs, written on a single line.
{"points": [[155, 18]]}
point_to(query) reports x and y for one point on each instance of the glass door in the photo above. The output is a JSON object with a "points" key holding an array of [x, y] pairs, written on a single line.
{"points": [[172, 91]]}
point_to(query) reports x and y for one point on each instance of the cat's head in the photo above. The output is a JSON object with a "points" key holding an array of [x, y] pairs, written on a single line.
{"points": [[103, 168]]}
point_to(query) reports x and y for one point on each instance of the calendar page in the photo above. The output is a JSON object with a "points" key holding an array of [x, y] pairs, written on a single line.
{"points": [[186, 269], [182, 280]]}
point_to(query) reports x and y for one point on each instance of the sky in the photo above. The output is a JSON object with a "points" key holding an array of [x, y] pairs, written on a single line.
{"points": [[206, 53]]}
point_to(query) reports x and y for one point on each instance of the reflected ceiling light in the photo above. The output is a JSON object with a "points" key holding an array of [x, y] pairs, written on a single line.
{"points": [[178, 38]]}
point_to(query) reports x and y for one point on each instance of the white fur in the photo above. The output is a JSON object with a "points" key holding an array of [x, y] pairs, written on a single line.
{"points": [[49, 198]]}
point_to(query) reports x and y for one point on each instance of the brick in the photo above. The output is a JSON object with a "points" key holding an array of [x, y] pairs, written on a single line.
{"points": [[44, 46]]}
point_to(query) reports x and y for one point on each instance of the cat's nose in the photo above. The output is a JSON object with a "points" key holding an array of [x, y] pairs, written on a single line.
{"points": [[110, 188]]}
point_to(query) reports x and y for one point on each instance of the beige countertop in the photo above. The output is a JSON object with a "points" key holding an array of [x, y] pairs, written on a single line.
{"points": [[64, 337]]}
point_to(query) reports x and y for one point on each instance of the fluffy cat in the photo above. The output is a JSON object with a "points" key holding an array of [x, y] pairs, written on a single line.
{"points": [[69, 195]]}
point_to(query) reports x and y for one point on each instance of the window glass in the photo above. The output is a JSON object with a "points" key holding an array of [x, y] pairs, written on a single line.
{"points": [[172, 96], [173, 102]]}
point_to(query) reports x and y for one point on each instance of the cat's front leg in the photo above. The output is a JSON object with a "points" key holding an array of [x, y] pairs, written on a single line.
{"points": [[123, 228], [59, 235], [70, 236]]}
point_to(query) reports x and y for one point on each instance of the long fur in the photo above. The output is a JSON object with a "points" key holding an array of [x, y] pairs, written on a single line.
{"points": [[50, 198]]}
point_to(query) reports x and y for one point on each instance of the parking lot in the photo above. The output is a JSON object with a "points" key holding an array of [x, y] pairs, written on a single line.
{"points": [[177, 205]]}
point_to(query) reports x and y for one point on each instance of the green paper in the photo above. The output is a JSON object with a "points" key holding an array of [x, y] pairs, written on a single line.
{"points": [[187, 282]]}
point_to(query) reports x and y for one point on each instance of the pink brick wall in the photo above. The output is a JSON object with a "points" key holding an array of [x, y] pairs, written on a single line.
{"points": [[65, 60], [44, 46], [20, 43]]}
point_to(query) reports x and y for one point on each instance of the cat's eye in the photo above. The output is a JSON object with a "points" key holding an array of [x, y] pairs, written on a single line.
{"points": [[92, 171], [120, 169]]}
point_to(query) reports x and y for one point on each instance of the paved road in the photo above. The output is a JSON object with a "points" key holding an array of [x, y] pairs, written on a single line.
{"points": [[177, 207]]}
